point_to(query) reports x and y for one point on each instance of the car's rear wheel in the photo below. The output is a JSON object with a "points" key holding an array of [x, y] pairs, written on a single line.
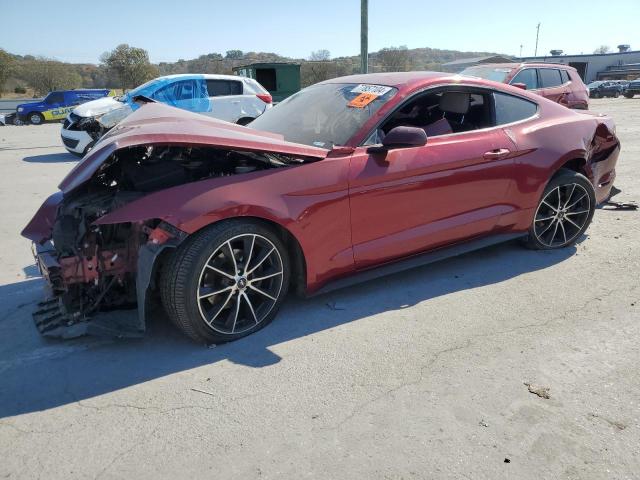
{"points": [[616, 95], [35, 118], [226, 281], [563, 213]]}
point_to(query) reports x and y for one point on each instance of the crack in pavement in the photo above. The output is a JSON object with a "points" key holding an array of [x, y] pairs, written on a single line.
{"points": [[421, 374]]}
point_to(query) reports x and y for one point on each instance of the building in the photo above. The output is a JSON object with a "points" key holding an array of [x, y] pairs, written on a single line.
{"points": [[621, 65], [458, 65]]}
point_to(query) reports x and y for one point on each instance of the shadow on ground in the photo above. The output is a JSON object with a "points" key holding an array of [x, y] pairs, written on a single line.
{"points": [[51, 158], [38, 374]]}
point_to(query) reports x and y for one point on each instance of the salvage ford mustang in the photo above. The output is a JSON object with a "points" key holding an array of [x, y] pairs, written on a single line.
{"points": [[348, 179]]}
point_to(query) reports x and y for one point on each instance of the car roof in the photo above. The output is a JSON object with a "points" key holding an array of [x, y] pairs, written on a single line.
{"points": [[524, 64], [210, 76], [394, 79]]}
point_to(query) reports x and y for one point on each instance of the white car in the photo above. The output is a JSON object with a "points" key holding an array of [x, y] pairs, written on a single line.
{"points": [[226, 97]]}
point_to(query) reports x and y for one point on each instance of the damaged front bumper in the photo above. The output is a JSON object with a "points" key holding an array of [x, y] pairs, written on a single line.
{"points": [[96, 292], [53, 318]]}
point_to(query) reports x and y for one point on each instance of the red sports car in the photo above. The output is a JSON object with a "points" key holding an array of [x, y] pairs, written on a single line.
{"points": [[348, 179]]}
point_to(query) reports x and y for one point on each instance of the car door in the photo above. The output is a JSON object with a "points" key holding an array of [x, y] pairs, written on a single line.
{"points": [[553, 86], [226, 99], [415, 199], [56, 106]]}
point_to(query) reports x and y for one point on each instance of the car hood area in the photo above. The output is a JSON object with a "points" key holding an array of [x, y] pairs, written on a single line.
{"points": [[158, 124], [97, 107]]}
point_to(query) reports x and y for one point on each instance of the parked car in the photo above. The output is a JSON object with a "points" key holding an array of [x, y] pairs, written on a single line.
{"points": [[632, 89], [345, 180], [601, 89], [56, 105], [557, 82], [623, 83], [226, 97]]}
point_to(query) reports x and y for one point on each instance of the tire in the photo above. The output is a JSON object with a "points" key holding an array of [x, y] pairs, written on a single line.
{"points": [[554, 227], [245, 121], [596, 95], [616, 95], [35, 118], [209, 304], [628, 95]]}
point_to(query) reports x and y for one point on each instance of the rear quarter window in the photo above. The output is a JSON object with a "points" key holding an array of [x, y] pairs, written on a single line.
{"points": [[565, 76], [219, 88], [511, 109]]}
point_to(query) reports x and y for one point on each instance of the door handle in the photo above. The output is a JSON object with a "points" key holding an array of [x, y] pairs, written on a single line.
{"points": [[496, 154]]}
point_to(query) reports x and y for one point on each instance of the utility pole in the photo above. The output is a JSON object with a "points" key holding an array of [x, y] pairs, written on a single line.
{"points": [[535, 54], [520, 50], [364, 36]]}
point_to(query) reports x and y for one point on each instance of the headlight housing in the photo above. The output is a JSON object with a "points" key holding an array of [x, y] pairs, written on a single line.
{"points": [[20, 109]]}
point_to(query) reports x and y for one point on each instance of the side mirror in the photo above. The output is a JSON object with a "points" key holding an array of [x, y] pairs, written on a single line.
{"points": [[523, 86], [401, 137]]}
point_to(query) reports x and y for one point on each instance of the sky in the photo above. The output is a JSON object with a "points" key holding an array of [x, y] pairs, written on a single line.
{"points": [[80, 31]]}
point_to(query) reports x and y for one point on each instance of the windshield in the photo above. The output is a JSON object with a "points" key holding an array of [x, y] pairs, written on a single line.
{"points": [[324, 115], [146, 89], [488, 73], [594, 84]]}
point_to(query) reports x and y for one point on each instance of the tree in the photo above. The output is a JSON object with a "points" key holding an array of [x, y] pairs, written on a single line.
{"points": [[45, 75], [235, 54], [320, 55], [394, 59], [6, 63], [602, 49], [130, 65]]}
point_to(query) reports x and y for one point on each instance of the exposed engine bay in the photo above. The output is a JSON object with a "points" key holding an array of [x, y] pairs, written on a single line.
{"points": [[93, 268]]}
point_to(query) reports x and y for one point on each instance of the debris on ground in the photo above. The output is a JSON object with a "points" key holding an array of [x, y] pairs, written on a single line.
{"points": [[620, 206], [334, 306], [539, 390], [507, 460], [613, 423], [482, 423], [202, 391]]}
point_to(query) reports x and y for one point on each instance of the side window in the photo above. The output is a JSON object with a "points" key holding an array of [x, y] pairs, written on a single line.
{"points": [[442, 111], [550, 77], [565, 76], [179, 92], [55, 97], [511, 109], [528, 76], [166, 94], [219, 88]]}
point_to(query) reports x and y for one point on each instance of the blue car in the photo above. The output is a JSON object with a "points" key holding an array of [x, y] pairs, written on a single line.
{"points": [[57, 105]]}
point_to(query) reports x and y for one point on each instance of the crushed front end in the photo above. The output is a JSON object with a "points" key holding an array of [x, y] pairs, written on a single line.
{"points": [[90, 270]]}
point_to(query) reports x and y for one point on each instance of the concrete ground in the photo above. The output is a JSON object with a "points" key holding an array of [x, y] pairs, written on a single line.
{"points": [[418, 375]]}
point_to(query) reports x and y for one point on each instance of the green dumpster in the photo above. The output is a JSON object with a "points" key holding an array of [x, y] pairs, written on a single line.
{"points": [[280, 79]]}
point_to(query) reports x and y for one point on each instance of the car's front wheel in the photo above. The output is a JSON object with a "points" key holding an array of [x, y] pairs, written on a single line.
{"points": [[35, 118], [563, 213], [226, 281]]}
